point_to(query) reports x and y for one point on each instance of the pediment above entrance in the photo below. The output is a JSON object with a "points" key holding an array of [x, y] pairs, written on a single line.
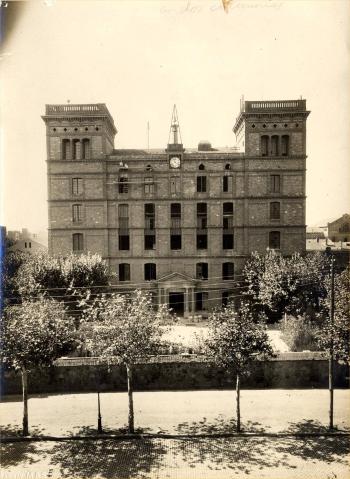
{"points": [[180, 280]]}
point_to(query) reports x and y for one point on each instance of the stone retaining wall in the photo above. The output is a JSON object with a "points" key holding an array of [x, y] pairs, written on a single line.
{"points": [[287, 371]]}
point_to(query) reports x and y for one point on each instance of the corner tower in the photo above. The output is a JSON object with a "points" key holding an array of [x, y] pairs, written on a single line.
{"points": [[79, 139], [272, 135], [272, 128], [79, 132]]}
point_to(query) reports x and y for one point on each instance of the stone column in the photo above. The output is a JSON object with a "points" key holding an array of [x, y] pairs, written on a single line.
{"points": [[186, 301]]}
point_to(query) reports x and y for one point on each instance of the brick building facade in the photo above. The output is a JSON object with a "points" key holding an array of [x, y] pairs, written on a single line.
{"points": [[180, 222]]}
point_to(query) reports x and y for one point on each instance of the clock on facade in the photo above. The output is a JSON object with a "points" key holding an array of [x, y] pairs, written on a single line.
{"points": [[175, 162]]}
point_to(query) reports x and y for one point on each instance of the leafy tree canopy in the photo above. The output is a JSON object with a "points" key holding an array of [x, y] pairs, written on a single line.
{"points": [[35, 333], [236, 339], [335, 335], [125, 327], [279, 284], [43, 272]]}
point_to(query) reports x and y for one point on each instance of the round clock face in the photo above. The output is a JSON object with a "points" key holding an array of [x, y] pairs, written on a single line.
{"points": [[175, 162]]}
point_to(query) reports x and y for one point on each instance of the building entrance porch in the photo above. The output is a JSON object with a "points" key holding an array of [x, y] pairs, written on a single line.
{"points": [[177, 303], [177, 292]]}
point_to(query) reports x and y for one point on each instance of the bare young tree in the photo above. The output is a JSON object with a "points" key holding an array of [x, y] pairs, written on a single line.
{"points": [[125, 329], [34, 334], [235, 341]]}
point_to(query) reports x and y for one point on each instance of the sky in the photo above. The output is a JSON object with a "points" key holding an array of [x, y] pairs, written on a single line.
{"points": [[141, 57]]}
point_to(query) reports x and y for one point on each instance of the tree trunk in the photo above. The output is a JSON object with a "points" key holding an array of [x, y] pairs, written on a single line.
{"points": [[238, 407], [25, 431], [130, 398]]}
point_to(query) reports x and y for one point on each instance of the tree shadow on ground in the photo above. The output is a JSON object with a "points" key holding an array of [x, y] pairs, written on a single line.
{"points": [[92, 430], [19, 452], [242, 455], [12, 430], [323, 448], [218, 425], [108, 458]]}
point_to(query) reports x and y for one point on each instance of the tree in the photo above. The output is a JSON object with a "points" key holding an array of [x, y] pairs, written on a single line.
{"points": [[11, 262], [70, 278], [124, 330], [235, 341], [293, 285], [334, 336], [34, 334]]}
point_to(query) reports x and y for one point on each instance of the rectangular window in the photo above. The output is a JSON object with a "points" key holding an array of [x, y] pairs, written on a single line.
{"points": [[123, 217], [149, 186], [227, 241], [123, 220], [175, 241], [149, 231], [275, 210], [227, 213], [78, 242], [201, 184], [150, 216], [202, 301], [175, 226], [202, 241], [77, 186], [228, 271], [123, 184], [225, 296], [150, 241], [227, 184], [175, 184], [150, 271], [274, 240], [202, 270], [77, 213], [124, 272], [124, 242], [201, 216], [275, 183]]}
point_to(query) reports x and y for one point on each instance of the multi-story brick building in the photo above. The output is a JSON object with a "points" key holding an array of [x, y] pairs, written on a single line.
{"points": [[180, 222]]}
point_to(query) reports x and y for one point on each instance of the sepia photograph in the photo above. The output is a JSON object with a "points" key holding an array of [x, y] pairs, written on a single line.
{"points": [[175, 239]]}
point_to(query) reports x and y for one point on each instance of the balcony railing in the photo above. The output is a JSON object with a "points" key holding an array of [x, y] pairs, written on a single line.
{"points": [[69, 109], [263, 106]]}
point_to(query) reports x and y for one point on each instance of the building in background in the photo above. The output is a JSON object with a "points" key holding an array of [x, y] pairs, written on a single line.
{"points": [[26, 241], [339, 230], [179, 222]]}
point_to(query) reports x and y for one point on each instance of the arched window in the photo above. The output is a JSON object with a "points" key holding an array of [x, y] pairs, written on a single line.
{"points": [[76, 149], [149, 168], [66, 149], [227, 166], [264, 145], [274, 240], [274, 145], [285, 145], [85, 148], [78, 242], [201, 167]]}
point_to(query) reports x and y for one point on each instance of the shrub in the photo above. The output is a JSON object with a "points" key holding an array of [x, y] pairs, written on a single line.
{"points": [[299, 333]]}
